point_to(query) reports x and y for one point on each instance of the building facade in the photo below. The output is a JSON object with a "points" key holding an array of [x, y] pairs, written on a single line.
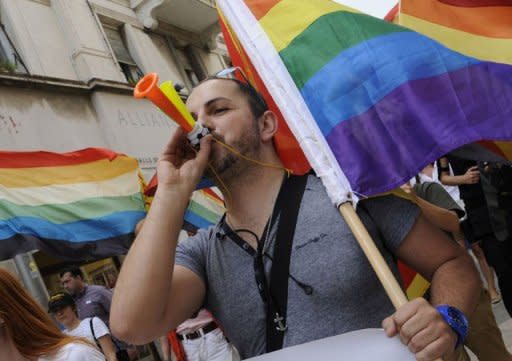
{"points": [[67, 70]]}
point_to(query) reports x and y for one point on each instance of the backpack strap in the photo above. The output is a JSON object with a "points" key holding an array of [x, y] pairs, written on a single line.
{"points": [[93, 333], [288, 205]]}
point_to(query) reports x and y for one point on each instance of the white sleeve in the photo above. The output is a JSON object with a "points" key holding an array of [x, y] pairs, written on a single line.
{"points": [[100, 329], [81, 352]]}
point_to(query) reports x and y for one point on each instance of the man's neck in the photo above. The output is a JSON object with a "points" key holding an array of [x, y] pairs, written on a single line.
{"points": [[81, 291], [250, 199]]}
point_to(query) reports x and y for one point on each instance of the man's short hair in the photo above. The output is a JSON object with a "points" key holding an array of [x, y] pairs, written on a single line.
{"points": [[74, 270]]}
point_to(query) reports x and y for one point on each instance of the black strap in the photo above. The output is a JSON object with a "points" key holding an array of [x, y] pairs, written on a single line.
{"points": [[275, 297], [287, 206], [93, 333]]}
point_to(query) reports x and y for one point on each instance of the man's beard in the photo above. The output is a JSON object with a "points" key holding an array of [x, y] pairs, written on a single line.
{"points": [[228, 164]]}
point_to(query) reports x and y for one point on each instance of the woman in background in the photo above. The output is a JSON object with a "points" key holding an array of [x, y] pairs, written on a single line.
{"points": [[63, 307], [28, 333]]}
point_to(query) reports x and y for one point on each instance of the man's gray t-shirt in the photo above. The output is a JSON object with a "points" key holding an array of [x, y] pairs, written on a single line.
{"points": [[94, 301], [346, 292]]}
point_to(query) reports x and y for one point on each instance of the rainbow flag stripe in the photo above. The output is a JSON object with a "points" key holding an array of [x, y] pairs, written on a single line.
{"points": [[482, 30], [388, 100], [76, 205], [204, 209]]}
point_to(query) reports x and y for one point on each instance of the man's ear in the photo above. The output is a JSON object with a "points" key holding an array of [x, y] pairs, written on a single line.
{"points": [[268, 126]]}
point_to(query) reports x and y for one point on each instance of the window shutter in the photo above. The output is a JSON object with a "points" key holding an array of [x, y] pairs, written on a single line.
{"points": [[117, 44]]}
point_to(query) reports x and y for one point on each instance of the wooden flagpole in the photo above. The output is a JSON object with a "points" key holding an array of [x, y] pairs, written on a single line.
{"points": [[379, 265]]}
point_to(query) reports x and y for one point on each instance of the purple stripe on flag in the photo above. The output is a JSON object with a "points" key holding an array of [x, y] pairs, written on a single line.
{"points": [[419, 122]]}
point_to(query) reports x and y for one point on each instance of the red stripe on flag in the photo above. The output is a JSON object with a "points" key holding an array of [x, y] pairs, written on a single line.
{"points": [[477, 3], [407, 274], [49, 159], [151, 187], [213, 194], [492, 147], [260, 8], [288, 149], [493, 22], [392, 13]]}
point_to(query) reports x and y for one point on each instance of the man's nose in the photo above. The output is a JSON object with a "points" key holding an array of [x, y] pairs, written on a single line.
{"points": [[204, 122]]}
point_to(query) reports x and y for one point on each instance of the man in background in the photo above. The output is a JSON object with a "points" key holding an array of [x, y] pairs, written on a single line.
{"points": [[91, 301]]}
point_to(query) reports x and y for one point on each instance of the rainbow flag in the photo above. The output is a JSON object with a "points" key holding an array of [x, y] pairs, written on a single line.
{"points": [[478, 28], [204, 209], [77, 205], [370, 102]]}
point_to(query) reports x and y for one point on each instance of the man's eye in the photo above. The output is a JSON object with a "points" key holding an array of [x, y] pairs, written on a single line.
{"points": [[220, 110]]}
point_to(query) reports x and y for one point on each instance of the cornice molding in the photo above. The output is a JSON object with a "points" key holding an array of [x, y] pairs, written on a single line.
{"points": [[63, 85], [145, 11]]}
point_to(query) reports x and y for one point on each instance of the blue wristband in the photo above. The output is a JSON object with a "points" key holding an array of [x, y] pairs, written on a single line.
{"points": [[456, 320]]}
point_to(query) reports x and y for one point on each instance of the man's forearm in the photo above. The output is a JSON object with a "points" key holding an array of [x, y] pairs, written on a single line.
{"points": [[145, 278], [457, 283]]}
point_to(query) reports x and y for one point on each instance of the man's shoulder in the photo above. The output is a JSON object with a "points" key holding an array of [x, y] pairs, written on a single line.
{"points": [[205, 234], [95, 289], [200, 242]]}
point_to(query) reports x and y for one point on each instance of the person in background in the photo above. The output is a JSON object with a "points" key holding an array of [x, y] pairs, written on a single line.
{"points": [[484, 336], [91, 301], [199, 339], [28, 333], [496, 179], [478, 228], [431, 174], [63, 308]]}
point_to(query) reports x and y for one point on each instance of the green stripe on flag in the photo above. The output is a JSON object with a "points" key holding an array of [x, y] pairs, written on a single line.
{"points": [[71, 212], [203, 212], [325, 37]]}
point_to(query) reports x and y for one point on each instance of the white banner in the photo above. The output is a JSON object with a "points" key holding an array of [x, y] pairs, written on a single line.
{"points": [[361, 345]]}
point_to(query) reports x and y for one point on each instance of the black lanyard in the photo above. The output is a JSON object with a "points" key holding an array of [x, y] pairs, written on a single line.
{"points": [[275, 295]]}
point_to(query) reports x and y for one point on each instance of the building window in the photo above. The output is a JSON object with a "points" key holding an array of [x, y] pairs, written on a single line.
{"points": [[10, 61], [195, 61], [128, 66], [184, 61]]}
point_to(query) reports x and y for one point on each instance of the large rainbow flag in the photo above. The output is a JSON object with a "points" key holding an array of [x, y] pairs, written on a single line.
{"points": [[370, 102], [77, 205], [383, 100]]}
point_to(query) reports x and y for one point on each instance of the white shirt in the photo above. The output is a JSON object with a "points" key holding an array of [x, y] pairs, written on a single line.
{"points": [[76, 352], [84, 329]]}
